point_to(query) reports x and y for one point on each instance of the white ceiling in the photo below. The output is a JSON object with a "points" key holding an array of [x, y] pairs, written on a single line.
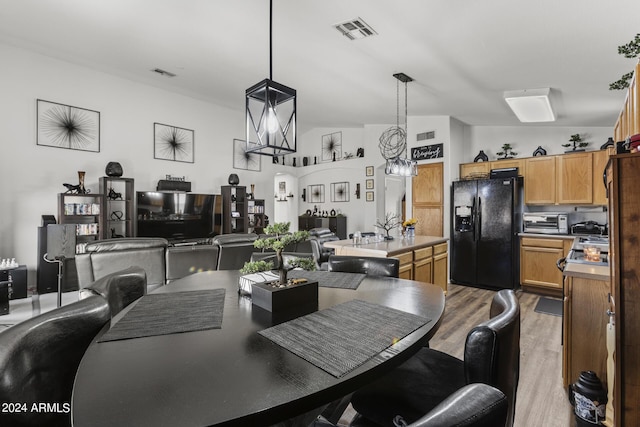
{"points": [[463, 54]]}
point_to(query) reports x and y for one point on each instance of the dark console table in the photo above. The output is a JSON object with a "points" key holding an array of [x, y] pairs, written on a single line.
{"points": [[337, 224]]}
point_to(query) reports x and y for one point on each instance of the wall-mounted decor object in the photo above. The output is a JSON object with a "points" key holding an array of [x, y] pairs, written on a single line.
{"points": [[243, 158], [368, 171], [339, 191], [426, 152], [172, 143], [540, 151], [304, 195], [369, 196], [481, 157], [64, 126], [369, 184], [316, 193], [357, 191], [331, 146], [360, 152]]}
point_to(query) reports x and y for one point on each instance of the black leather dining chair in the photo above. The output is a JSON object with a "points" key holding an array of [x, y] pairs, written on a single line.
{"points": [[491, 356], [372, 266], [119, 289], [39, 359], [474, 405]]}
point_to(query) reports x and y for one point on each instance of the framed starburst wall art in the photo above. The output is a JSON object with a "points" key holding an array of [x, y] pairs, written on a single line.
{"points": [[64, 126], [339, 191], [172, 143], [243, 159], [332, 146]]}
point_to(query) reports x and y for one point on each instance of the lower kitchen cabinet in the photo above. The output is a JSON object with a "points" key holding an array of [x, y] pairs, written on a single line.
{"points": [[440, 266], [538, 258], [406, 265]]}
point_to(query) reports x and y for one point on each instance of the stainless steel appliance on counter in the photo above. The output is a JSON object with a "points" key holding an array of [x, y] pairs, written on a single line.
{"points": [[486, 220], [545, 222], [589, 228]]}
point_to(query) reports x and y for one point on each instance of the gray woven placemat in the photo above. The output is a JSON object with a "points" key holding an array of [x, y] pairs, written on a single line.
{"points": [[170, 313], [330, 279], [341, 338]]}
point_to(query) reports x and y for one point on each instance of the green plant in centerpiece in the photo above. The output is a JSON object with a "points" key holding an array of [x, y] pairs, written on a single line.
{"points": [[507, 152], [278, 238], [576, 141]]}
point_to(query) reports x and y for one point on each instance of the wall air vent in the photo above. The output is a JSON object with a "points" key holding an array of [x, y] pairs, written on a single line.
{"points": [[355, 29], [163, 72], [426, 135]]}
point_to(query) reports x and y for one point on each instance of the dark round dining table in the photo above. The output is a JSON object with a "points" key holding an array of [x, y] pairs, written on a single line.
{"points": [[233, 376]]}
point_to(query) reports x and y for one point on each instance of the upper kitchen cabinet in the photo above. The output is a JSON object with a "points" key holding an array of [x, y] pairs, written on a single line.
{"points": [[540, 181], [600, 160], [510, 163], [628, 123], [474, 170], [574, 174]]}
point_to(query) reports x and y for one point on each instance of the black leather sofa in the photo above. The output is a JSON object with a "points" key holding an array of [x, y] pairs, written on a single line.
{"points": [[318, 237]]}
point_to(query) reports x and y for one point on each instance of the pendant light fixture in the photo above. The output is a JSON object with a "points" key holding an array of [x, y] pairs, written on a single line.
{"points": [[270, 112], [393, 141]]}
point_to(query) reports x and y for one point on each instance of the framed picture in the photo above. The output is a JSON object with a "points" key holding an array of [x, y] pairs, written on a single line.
{"points": [[242, 159], [64, 126], [369, 171], [172, 143], [331, 146], [316, 193], [339, 191], [369, 184], [369, 196]]}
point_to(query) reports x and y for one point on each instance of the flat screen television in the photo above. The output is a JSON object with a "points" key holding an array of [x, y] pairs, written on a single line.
{"points": [[178, 216]]}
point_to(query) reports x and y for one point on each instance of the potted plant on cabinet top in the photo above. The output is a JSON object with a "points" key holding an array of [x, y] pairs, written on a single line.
{"points": [[576, 141], [507, 152]]}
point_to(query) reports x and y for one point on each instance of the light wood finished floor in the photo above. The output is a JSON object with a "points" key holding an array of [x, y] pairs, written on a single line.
{"points": [[541, 399]]}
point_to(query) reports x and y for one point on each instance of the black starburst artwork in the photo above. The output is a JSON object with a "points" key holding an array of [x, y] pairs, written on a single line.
{"points": [[339, 191], [316, 193], [243, 159], [64, 126], [332, 146], [173, 143]]}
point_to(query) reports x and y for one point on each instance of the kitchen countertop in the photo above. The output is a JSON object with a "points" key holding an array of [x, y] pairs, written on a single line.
{"points": [[587, 271], [549, 236], [385, 248]]}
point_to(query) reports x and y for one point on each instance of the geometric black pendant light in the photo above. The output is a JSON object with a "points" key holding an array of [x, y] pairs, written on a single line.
{"points": [[270, 113]]}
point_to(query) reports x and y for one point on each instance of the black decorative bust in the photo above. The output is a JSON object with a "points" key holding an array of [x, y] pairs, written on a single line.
{"points": [[113, 169], [481, 157], [233, 179], [540, 151]]}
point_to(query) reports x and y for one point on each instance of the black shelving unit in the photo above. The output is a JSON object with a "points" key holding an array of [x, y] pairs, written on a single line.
{"points": [[118, 215], [234, 209], [83, 210], [257, 217]]}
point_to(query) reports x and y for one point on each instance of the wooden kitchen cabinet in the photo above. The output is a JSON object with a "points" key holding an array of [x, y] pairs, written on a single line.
{"points": [[423, 264], [473, 170], [628, 122], [440, 266], [406, 265], [540, 182], [574, 177], [584, 328], [538, 258], [511, 163], [600, 160]]}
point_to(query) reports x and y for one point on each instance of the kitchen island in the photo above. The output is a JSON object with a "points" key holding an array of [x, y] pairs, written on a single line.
{"points": [[422, 258]]}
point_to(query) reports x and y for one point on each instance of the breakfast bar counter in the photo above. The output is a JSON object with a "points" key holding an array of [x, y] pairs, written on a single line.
{"points": [[422, 258]]}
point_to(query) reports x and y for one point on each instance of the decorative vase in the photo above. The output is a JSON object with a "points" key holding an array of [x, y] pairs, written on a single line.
{"points": [[81, 189], [233, 179], [481, 157], [411, 231], [540, 151], [253, 186], [315, 160], [113, 169], [305, 161], [334, 156], [607, 144], [294, 162]]}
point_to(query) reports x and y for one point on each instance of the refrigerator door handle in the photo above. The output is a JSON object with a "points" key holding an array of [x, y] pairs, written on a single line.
{"points": [[479, 218], [473, 218]]}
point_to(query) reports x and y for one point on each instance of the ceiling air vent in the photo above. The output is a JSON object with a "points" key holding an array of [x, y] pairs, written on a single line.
{"points": [[355, 29], [163, 72], [426, 135]]}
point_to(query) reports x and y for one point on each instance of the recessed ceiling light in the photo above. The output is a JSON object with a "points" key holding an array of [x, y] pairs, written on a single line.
{"points": [[531, 105]]}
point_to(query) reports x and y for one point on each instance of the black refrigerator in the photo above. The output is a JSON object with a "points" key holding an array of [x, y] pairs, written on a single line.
{"points": [[486, 220]]}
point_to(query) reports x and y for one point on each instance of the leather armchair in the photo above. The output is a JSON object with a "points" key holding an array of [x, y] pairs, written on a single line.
{"points": [[491, 356], [104, 257], [40, 356], [372, 266], [185, 260], [474, 405], [119, 289], [234, 250], [318, 236]]}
